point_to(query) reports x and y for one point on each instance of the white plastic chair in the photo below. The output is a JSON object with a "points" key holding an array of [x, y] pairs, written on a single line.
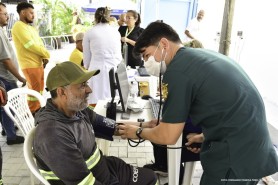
{"points": [[188, 172], [29, 157], [17, 103]]}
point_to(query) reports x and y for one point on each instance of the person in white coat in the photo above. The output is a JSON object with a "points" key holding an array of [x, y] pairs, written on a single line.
{"points": [[101, 50]]}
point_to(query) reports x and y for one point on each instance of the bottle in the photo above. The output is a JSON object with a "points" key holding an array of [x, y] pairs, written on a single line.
{"points": [[133, 89]]}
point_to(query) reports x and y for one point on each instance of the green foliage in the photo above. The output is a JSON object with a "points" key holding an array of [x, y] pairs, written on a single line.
{"points": [[58, 16]]}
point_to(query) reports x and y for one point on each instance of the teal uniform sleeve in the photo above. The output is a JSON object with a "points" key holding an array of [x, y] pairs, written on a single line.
{"points": [[178, 101]]}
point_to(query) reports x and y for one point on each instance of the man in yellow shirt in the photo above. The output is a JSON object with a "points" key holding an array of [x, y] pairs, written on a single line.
{"points": [[77, 54], [32, 55]]}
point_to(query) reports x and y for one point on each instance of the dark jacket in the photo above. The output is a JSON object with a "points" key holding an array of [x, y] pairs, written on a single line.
{"points": [[63, 145]]}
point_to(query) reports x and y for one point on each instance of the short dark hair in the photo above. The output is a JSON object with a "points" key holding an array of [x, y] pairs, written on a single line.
{"points": [[53, 94], [23, 6], [153, 33], [2, 4], [102, 15]]}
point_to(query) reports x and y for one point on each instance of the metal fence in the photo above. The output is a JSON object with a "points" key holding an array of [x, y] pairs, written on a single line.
{"points": [[56, 42]]}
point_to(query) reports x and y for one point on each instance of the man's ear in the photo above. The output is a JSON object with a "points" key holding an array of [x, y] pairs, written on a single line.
{"points": [[164, 43], [23, 12], [60, 91]]}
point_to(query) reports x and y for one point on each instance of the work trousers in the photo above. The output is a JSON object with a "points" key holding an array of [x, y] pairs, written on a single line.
{"points": [[7, 123], [120, 173], [35, 81], [130, 175], [1, 162]]}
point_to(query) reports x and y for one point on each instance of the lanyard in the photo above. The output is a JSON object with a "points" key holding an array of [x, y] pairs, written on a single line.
{"points": [[128, 32]]}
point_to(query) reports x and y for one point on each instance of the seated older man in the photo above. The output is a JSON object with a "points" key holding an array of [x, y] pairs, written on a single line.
{"points": [[64, 142]]}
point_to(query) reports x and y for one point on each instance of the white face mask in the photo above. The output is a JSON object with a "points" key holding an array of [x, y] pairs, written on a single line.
{"points": [[153, 67]]}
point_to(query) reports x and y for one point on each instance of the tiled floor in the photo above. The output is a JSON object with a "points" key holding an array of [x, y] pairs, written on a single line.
{"points": [[15, 171]]}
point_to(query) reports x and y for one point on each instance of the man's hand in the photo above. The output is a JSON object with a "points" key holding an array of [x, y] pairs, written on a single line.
{"points": [[128, 131], [194, 138], [44, 61], [3, 96], [124, 39], [23, 80], [116, 132]]}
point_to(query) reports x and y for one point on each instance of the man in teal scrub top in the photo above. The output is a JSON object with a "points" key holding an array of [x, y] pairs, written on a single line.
{"points": [[217, 95]]}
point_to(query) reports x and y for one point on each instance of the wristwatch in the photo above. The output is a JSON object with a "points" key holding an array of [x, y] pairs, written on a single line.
{"points": [[138, 132]]}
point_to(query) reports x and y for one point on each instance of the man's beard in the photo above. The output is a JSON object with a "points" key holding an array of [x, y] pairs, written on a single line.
{"points": [[76, 104], [29, 21], [5, 23]]}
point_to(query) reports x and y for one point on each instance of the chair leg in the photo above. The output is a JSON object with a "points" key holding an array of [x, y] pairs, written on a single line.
{"points": [[188, 173], [32, 179]]}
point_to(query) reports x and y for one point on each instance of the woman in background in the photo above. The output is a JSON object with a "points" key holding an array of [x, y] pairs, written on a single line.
{"points": [[101, 50], [130, 34]]}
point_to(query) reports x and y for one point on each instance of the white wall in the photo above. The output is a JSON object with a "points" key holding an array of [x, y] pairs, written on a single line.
{"points": [[257, 50], [174, 13], [149, 12], [259, 45], [212, 22]]}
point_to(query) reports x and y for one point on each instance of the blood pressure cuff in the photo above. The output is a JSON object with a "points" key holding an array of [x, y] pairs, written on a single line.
{"points": [[104, 127]]}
